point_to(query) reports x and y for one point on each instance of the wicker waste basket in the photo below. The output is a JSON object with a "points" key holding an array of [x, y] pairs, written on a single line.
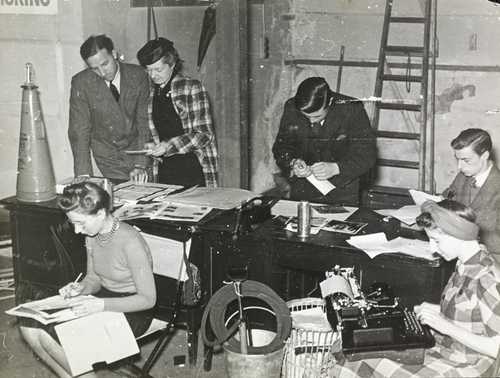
{"points": [[308, 350]]}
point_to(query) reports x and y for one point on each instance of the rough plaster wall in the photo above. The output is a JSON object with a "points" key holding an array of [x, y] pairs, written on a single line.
{"points": [[47, 41], [468, 33], [52, 43], [282, 84], [128, 28]]}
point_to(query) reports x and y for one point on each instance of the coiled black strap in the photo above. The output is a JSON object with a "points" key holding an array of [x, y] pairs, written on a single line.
{"points": [[216, 309]]}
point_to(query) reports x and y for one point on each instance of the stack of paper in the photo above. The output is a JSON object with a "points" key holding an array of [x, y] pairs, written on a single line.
{"points": [[49, 310], [376, 244]]}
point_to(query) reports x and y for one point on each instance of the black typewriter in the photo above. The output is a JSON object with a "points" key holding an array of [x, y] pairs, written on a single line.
{"points": [[375, 325]]}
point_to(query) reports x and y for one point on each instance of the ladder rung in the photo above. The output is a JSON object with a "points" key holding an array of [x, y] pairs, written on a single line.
{"points": [[396, 106], [404, 50], [398, 163], [415, 79], [408, 20], [397, 135]]}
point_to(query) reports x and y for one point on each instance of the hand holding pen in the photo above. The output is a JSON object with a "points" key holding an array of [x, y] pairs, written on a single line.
{"points": [[72, 289]]}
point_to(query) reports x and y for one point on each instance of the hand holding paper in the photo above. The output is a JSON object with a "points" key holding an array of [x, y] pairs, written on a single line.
{"points": [[420, 197], [325, 170]]}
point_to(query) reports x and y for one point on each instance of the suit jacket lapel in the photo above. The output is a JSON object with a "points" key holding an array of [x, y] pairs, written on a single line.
{"points": [[488, 189], [124, 83]]}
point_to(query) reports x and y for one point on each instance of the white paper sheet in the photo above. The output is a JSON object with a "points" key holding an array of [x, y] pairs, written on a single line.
{"points": [[376, 244], [311, 319], [324, 186], [103, 336], [406, 214], [335, 284], [420, 197], [167, 255]]}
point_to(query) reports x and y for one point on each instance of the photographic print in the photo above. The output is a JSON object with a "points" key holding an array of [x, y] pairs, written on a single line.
{"points": [[350, 228]]}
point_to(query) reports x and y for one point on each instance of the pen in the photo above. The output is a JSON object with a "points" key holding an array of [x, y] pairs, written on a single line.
{"points": [[77, 278], [68, 288]]}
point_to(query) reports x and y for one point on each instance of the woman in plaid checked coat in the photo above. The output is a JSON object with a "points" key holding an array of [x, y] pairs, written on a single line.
{"points": [[467, 321], [180, 119]]}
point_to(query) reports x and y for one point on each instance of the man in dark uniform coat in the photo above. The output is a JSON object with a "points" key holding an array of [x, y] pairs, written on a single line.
{"points": [[328, 136]]}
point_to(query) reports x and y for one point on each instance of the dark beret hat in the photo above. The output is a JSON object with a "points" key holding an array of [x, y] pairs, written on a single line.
{"points": [[153, 50]]}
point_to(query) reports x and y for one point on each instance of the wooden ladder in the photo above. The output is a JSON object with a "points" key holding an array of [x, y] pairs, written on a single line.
{"points": [[384, 75]]}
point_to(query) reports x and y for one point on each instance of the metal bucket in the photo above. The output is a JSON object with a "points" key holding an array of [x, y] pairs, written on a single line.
{"points": [[255, 365]]}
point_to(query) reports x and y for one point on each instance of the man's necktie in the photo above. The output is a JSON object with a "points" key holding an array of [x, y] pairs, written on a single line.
{"points": [[474, 189], [114, 91], [315, 128]]}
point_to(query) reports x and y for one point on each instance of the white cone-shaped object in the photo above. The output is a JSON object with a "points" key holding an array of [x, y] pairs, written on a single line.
{"points": [[35, 174]]}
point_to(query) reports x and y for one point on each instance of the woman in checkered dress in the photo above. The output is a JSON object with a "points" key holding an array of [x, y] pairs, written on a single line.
{"points": [[467, 320]]}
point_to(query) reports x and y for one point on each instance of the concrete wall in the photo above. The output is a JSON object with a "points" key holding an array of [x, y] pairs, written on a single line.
{"points": [[51, 43], [467, 32]]}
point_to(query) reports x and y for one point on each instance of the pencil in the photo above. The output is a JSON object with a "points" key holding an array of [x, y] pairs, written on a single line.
{"points": [[77, 278]]}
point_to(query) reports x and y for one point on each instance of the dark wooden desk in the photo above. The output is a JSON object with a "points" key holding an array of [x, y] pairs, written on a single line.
{"points": [[293, 267], [272, 255]]}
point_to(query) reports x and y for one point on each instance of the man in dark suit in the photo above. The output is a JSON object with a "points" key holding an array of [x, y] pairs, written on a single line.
{"points": [[108, 113], [477, 184], [326, 138]]}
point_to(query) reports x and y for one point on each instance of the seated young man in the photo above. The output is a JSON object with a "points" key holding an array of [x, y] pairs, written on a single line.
{"points": [[477, 184]]}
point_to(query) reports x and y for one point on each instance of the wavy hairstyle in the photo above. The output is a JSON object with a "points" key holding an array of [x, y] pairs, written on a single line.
{"points": [[85, 197]]}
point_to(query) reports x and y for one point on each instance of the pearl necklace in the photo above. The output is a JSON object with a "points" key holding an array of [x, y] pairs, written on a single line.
{"points": [[106, 237]]}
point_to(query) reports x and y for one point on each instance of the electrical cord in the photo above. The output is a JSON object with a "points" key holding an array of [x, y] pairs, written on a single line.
{"points": [[215, 311]]}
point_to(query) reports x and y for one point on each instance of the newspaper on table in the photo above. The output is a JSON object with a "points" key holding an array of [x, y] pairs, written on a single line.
{"points": [[131, 192], [174, 202], [159, 210], [218, 198]]}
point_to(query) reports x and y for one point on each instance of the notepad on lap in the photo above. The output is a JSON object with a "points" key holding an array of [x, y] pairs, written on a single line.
{"points": [[101, 337]]}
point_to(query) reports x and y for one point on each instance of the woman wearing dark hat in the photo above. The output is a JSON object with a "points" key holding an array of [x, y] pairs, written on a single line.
{"points": [[180, 119], [467, 320]]}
